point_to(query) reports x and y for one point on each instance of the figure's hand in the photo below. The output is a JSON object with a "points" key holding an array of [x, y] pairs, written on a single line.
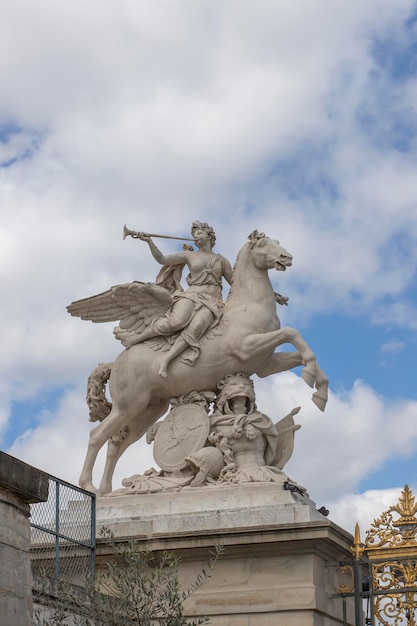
{"points": [[281, 299], [143, 237]]}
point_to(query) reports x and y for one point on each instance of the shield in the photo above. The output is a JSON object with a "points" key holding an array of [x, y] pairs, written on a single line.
{"points": [[183, 432]]}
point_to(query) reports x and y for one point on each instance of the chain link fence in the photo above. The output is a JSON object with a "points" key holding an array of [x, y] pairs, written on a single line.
{"points": [[63, 534]]}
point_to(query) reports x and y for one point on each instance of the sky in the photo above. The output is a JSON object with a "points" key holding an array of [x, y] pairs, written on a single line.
{"points": [[298, 119]]}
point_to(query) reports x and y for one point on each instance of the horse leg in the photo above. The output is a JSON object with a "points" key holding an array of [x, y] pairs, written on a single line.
{"points": [[117, 445], [320, 397], [284, 361], [309, 372], [115, 449], [279, 362], [261, 342], [98, 437]]}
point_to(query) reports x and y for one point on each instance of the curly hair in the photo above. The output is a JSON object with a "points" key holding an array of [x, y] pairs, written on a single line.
{"points": [[204, 226]]}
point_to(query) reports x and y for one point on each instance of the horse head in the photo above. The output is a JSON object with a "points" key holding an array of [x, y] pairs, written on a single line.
{"points": [[267, 253]]}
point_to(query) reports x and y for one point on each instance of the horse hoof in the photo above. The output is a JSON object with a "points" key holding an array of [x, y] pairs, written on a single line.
{"points": [[319, 401], [87, 486], [104, 490], [308, 377]]}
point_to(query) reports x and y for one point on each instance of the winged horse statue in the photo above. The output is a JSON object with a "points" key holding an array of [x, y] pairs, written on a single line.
{"points": [[244, 340]]}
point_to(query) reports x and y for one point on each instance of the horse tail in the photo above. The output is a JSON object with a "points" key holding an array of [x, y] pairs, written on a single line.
{"points": [[97, 402]]}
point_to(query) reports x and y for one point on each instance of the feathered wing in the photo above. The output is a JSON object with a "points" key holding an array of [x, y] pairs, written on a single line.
{"points": [[135, 305]]}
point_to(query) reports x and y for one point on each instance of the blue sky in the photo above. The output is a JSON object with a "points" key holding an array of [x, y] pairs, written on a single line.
{"points": [[297, 119]]}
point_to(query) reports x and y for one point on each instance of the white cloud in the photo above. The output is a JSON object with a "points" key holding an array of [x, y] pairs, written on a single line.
{"points": [[392, 346], [363, 508], [241, 114], [357, 433]]}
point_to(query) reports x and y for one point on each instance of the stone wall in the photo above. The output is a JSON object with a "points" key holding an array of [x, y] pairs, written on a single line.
{"points": [[20, 486], [278, 549]]}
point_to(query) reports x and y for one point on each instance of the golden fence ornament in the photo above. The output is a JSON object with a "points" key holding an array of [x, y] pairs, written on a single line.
{"points": [[391, 548], [345, 571], [389, 535], [382, 575]]}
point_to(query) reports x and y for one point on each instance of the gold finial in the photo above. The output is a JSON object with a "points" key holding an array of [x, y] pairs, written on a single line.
{"points": [[406, 509], [358, 547], [396, 528]]}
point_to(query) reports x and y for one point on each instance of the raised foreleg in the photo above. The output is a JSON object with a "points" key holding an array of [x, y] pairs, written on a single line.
{"points": [[260, 343], [279, 362], [284, 361], [320, 397]]}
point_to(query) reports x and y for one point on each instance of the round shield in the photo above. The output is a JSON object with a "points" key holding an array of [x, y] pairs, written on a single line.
{"points": [[183, 432]]}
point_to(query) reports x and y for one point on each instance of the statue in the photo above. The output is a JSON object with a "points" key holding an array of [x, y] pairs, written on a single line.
{"points": [[259, 449], [236, 444], [239, 336], [164, 309], [197, 309]]}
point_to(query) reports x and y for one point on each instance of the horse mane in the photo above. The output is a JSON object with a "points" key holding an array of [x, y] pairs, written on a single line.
{"points": [[240, 254], [224, 321]]}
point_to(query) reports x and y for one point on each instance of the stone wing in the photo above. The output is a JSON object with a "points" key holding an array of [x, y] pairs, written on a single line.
{"points": [[134, 305], [286, 429]]}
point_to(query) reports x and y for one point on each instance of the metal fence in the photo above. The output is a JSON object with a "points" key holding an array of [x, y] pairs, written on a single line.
{"points": [[383, 573], [384, 590], [63, 534]]}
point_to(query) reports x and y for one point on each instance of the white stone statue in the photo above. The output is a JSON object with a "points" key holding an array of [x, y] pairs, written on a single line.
{"points": [[194, 311], [210, 340], [234, 445], [259, 448], [164, 309]]}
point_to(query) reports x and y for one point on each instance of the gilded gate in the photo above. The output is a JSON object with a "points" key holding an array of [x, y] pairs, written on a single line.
{"points": [[383, 573]]}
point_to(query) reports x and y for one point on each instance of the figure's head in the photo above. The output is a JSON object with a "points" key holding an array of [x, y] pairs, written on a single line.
{"points": [[199, 228], [235, 386]]}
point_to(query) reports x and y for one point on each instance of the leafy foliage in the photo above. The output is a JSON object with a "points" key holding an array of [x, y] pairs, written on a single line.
{"points": [[136, 589]]}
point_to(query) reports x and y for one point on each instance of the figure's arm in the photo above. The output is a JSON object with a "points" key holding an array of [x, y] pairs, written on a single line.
{"points": [[227, 270], [169, 259]]}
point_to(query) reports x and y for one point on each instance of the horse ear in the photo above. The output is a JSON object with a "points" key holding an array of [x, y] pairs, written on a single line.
{"points": [[254, 235]]}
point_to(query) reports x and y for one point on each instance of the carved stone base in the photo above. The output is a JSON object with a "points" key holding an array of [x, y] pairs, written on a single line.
{"points": [[274, 569]]}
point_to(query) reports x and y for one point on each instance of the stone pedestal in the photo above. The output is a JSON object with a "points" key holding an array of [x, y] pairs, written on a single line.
{"points": [[277, 550], [20, 485]]}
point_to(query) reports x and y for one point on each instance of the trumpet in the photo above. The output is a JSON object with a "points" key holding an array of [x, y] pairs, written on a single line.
{"points": [[127, 232]]}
